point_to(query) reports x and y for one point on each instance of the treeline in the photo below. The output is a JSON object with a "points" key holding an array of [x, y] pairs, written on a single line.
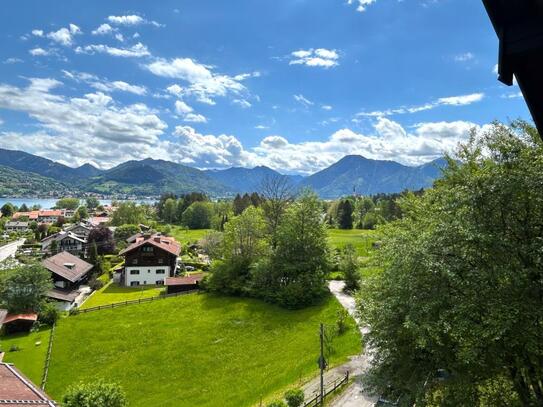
{"points": [[365, 212]]}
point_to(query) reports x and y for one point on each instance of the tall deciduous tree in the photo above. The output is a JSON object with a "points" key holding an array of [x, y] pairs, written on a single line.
{"points": [[345, 214], [92, 202], [103, 238], [277, 194], [7, 210], [24, 289], [461, 294], [128, 213], [67, 203]]}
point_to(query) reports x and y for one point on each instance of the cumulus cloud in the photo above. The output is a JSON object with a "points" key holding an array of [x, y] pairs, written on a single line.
{"points": [[37, 33], [320, 57], [202, 82], [182, 108], [65, 36], [92, 127], [131, 20], [461, 100], [38, 52], [105, 85], [103, 29], [362, 4], [175, 89], [465, 57], [136, 51]]}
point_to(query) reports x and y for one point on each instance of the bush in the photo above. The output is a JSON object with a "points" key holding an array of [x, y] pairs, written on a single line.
{"points": [[14, 348], [96, 284], [74, 311], [99, 394], [49, 314], [294, 397], [277, 403], [341, 323]]}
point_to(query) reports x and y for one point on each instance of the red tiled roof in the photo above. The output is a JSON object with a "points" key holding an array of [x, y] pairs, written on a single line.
{"points": [[50, 212], [168, 244], [186, 280], [32, 215], [20, 317], [16, 389], [57, 264]]}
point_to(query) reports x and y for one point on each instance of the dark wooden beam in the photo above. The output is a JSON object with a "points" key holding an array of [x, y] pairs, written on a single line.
{"points": [[519, 26]]}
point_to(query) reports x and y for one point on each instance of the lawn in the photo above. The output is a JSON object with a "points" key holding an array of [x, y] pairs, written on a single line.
{"points": [[186, 236], [362, 240], [112, 293], [30, 358], [195, 350]]}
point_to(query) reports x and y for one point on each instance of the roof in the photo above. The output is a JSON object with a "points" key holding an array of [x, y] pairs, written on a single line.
{"points": [[97, 220], [32, 215], [16, 389], [63, 295], [57, 265], [20, 317], [168, 244], [62, 235], [77, 225], [50, 212], [186, 280]]}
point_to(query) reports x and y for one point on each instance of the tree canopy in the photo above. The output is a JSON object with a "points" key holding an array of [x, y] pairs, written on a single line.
{"points": [[24, 289], [456, 316]]}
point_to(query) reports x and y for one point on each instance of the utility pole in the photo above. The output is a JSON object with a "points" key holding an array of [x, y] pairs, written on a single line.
{"points": [[321, 363]]}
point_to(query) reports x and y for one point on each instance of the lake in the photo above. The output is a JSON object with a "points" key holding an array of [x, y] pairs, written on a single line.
{"points": [[49, 203]]}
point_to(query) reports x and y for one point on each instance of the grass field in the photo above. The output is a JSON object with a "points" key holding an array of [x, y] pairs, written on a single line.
{"points": [[362, 240], [30, 359], [112, 293], [185, 236], [195, 350]]}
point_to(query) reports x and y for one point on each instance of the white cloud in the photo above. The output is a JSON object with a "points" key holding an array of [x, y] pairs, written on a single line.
{"points": [[244, 104], [37, 33], [326, 107], [175, 89], [320, 57], [38, 52], [466, 57], [461, 100], [119, 37], [261, 127], [105, 85], [103, 29], [65, 36], [514, 95], [195, 118], [362, 4], [12, 61], [303, 100], [92, 127], [126, 20], [202, 82], [182, 108], [136, 51]]}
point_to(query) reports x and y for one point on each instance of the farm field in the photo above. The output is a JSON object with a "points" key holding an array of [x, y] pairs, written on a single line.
{"points": [[112, 293], [30, 358], [362, 240], [195, 350]]}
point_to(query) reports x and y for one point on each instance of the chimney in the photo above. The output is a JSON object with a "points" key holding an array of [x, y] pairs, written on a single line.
{"points": [[158, 239]]}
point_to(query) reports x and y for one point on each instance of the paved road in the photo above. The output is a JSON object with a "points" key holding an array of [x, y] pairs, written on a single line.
{"points": [[10, 249], [354, 396]]}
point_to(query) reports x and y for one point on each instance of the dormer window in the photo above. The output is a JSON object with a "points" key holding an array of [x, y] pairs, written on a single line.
{"points": [[148, 249]]}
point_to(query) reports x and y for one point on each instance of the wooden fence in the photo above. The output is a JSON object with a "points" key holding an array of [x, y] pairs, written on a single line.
{"points": [[328, 388], [48, 358], [129, 302]]}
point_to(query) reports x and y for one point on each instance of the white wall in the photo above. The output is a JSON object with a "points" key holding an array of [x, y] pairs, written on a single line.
{"points": [[147, 275]]}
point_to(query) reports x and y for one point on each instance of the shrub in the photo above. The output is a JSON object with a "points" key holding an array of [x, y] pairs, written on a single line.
{"points": [[294, 397], [49, 314], [277, 403], [96, 284], [14, 348], [98, 394], [341, 323]]}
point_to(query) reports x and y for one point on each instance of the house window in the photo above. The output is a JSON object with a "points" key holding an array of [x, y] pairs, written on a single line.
{"points": [[148, 249], [160, 261], [133, 283], [159, 282], [160, 271], [135, 261], [134, 272]]}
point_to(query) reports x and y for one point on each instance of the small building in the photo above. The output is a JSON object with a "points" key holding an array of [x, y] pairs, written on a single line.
{"points": [[49, 215], [68, 272], [149, 260], [95, 221], [17, 389], [65, 242], [186, 283], [12, 323], [31, 216], [15, 226], [80, 229]]}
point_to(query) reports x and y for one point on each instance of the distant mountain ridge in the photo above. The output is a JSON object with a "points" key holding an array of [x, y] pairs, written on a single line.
{"points": [[150, 177]]}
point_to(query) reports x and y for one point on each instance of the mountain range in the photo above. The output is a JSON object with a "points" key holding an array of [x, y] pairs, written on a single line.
{"points": [[149, 177]]}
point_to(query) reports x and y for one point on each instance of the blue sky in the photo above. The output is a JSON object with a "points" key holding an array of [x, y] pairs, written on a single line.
{"points": [[294, 84]]}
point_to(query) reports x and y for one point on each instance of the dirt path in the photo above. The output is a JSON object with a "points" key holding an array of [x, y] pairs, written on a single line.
{"points": [[354, 396]]}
